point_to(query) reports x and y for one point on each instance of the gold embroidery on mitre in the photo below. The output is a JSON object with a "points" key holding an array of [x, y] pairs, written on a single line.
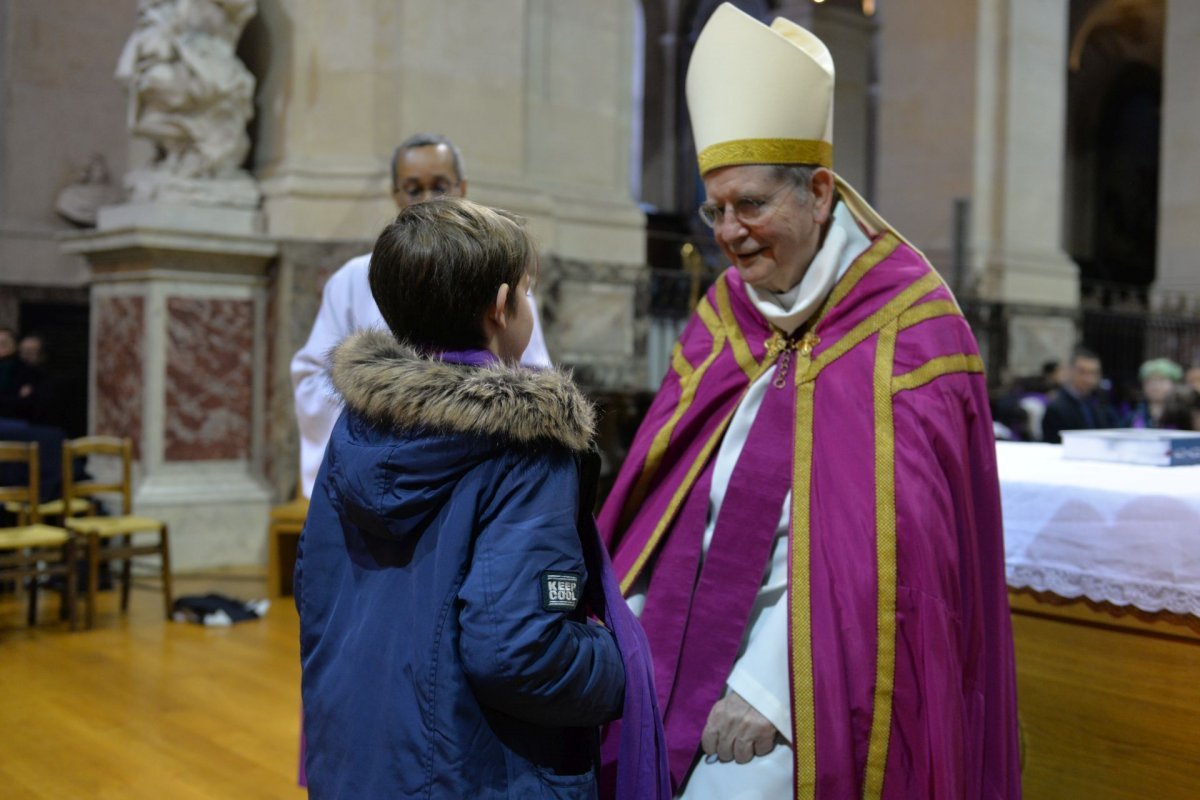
{"points": [[766, 151]]}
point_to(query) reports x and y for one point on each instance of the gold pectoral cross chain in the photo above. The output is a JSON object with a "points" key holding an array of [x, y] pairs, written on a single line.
{"points": [[781, 347]]}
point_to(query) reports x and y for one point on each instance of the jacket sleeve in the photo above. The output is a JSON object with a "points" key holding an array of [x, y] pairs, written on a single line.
{"points": [[524, 650], [317, 406]]}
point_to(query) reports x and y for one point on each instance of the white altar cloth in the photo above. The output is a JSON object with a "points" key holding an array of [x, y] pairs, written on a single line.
{"points": [[1121, 533]]}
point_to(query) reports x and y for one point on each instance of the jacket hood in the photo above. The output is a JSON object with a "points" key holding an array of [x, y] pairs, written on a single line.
{"points": [[419, 427], [390, 383]]}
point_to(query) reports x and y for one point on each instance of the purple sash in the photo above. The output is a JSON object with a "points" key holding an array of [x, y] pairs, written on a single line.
{"points": [[634, 764], [701, 615]]}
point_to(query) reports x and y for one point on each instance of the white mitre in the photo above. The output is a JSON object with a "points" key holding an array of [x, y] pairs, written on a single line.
{"points": [[758, 94]]}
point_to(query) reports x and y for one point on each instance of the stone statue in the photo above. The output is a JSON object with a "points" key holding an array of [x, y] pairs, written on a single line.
{"points": [[191, 96], [78, 202]]}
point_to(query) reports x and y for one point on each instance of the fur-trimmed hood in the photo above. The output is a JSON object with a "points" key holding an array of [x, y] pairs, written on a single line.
{"points": [[388, 382]]}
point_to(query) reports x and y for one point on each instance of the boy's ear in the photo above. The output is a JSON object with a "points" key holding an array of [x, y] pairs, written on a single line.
{"points": [[498, 313]]}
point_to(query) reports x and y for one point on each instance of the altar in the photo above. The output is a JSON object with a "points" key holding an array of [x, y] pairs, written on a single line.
{"points": [[1103, 568]]}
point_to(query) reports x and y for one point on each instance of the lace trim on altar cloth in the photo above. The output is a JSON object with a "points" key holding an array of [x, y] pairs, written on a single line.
{"points": [[1152, 597]]}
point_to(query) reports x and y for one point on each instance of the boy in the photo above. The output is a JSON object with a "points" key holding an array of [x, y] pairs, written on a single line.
{"points": [[441, 580]]}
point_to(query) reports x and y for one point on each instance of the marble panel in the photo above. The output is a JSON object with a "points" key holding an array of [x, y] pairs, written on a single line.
{"points": [[208, 379], [120, 329]]}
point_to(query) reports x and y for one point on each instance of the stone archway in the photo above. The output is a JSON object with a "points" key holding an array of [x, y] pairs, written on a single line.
{"points": [[1114, 97]]}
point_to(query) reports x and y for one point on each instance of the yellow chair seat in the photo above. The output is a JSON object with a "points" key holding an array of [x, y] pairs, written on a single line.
{"points": [[292, 511], [32, 536], [52, 508], [105, 527]]}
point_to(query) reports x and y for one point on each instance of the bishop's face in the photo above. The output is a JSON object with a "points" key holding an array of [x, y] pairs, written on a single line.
{"points": [[768, 227]]}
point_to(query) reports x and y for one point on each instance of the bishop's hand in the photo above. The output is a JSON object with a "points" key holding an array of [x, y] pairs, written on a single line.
{"points": [[735, 731]]}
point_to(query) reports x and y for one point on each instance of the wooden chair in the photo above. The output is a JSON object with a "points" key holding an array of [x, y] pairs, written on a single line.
{"points": [[33, 550], [51, 508], [116, 531], [283, 538]]}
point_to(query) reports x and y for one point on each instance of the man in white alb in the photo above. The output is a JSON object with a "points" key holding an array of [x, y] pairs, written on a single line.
{"points": [[423, 166]]}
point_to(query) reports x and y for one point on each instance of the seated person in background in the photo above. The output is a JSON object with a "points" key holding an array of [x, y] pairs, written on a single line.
{"points": [[1010, 419], [1079, 406], [1192, 402], [14, 377], [448, 564], [1192, 378], [40, 403], [32, 350], [1160, 377], [1037, 394]]}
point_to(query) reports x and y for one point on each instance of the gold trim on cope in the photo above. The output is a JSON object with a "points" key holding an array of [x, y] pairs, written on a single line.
{"points": [[935, 368], [885, 563], [804, 703], [688, 385], [680, 364], [872, 324], [766, 151], [681, 493], [934, 309], [880, 249], [737, 337]]}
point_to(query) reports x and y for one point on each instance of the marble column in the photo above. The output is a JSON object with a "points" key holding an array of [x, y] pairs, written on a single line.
{"points": [[1179, 183], [848, 34], [926, 134], [541, 108], [178, 365], [1020, 142]]}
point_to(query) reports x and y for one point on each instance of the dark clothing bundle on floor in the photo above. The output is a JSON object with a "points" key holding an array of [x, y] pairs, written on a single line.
{"points": [[217, 609]]}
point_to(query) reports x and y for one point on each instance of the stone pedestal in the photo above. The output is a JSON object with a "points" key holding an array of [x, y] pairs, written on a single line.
{"points": [[178, 364], [1034, 339], [592, 308]]}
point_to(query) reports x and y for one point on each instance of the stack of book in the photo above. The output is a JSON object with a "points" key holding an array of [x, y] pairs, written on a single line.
{"points": [[1160, 448]]}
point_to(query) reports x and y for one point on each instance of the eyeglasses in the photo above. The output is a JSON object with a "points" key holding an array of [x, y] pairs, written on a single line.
{"points": [[416, 191], [747, 209]]}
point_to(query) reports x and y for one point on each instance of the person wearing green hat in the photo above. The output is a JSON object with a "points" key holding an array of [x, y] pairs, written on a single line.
{"points": [[1161, 406]]}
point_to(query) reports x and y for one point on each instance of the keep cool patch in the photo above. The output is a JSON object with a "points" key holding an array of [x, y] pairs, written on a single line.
{"points": [[560, 590]]}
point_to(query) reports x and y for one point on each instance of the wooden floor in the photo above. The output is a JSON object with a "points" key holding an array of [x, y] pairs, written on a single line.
{"points": [[140, 707]]}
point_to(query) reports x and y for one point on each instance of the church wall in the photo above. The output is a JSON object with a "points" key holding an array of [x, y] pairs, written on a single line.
{"points": [[927, 102], [60, 105]]}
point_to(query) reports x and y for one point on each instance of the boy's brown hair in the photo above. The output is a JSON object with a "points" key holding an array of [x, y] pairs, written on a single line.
{"points": [[436, 268]]}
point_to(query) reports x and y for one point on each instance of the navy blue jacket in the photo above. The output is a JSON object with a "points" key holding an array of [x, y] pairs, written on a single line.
{"points": [[1066, 412], [440, 582]]}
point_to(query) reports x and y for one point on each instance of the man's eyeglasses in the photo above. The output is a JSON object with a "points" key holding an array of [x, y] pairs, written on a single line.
{"points": [[747, 209], [415, 191]]}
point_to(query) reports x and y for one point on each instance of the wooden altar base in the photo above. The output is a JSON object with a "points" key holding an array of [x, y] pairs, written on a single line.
{"points": [[1109, 700]]}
